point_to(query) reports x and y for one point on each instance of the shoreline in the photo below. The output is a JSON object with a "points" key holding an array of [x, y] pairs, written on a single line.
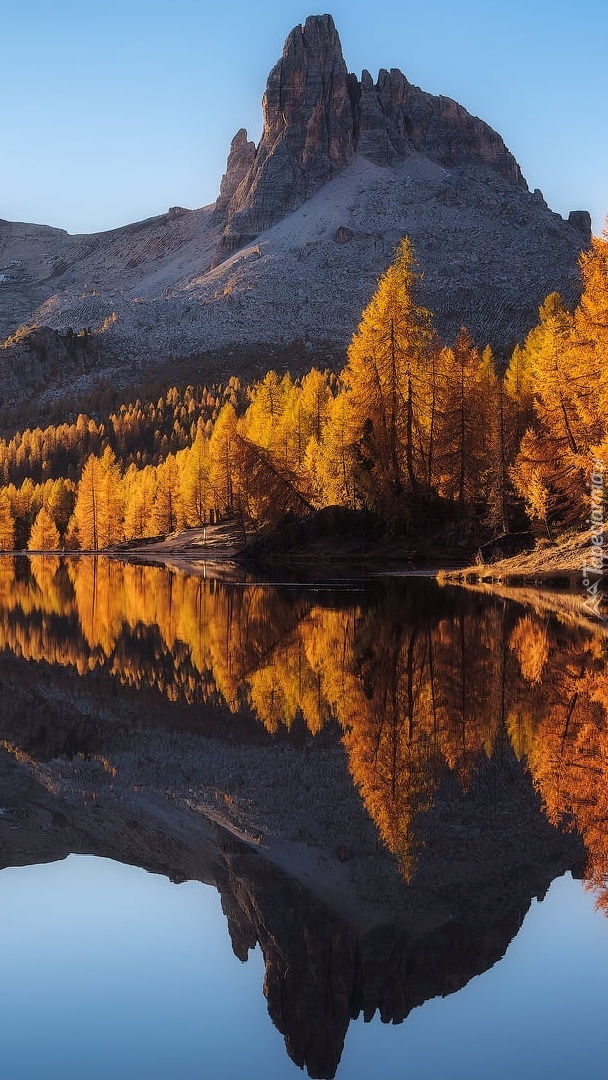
{"points": [[566, 563], [224, 550]]}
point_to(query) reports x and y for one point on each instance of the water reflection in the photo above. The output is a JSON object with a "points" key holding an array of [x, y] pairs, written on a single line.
{"points": [[361, 775], [151, 991], [144, 994]]}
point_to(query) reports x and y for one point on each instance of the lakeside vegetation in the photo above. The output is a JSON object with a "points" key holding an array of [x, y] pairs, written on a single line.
{"points": [[408, 425]]}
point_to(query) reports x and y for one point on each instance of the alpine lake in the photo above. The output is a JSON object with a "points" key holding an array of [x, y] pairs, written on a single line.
{"points": [[356, 827]]}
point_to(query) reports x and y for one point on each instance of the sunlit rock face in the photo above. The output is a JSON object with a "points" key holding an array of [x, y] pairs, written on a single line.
{"points": [[240, 161], [392, 118]]}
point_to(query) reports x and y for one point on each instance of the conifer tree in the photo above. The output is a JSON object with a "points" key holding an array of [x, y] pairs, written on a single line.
{"points": [[26, 501], [7, 523], [591, 345], [60, 503], [139, 486], [331, 462], [518, 398], [168, 514], [98, 512], [223, 451], [387, 377], [463, 425], [310, 413], [196, 490], [45, 534], [552, 463]]}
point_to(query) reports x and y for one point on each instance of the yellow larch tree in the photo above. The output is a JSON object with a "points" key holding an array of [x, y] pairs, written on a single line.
{"points": [[556, 455], [263, 420], [59, 502], [7, 523], [98, 513], [591, 344], [223, 452], [168, 513], [197, 493], [45, 534], [139, 486], [331, 461], [466, 413], [309, 412], [518, 384], [388, 379]]}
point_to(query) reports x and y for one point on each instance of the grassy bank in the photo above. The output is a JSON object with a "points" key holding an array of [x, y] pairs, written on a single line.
{"points": [[561, 563]]}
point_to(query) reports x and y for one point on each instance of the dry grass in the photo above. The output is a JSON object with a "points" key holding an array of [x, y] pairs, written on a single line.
{"points": [[561, 563]]}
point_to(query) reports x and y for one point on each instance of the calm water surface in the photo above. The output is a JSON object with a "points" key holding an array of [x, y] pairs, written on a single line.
{"points": [[250, 828]]}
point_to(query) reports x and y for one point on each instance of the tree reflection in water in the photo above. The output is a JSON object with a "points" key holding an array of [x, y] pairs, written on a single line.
{"points": [[360, 773], [421, 684]]}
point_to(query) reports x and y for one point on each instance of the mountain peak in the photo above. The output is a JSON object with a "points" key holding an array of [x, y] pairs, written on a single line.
{"points": [[306, 139], [317, 29], [317, 116], [345, 168]]}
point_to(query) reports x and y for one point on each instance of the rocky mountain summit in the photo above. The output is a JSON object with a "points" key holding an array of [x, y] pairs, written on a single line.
{"points": [[317, 117], [304, 224]]}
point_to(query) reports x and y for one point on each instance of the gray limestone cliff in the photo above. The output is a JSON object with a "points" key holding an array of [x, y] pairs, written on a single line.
{"points": [[240, 161], [38, 356], [317, 116], [307, 136]]}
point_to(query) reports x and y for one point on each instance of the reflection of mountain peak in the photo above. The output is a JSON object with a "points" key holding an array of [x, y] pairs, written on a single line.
{"points": [[339, 938], [456, 921], [432, 714]]}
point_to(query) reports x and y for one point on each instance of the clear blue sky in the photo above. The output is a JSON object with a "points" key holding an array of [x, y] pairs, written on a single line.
{"points": [[114, 111]]}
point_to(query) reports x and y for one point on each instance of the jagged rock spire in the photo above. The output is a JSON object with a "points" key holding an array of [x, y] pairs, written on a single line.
{"points": [[307, 135], [240, 160], [317, 116]]}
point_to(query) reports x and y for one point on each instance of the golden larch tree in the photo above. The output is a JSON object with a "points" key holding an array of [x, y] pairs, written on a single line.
{"points": [[387, 378], [7, 523], [98, 512], [45, 534]]}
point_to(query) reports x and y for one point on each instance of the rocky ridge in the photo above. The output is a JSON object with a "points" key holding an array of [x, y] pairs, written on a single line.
{"points": [[303, 226], [317, 116]]}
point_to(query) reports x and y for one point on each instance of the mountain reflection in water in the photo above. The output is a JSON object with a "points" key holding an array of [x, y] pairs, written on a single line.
{"points": [[376, 781]]}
